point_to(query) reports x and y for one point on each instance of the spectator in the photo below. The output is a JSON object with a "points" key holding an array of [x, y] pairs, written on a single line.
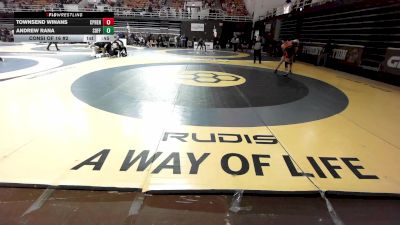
{"points": [[257, 50], [183, 41], [325, 53], [244, 46], [216, 43], [235, 42], [234, 7]]}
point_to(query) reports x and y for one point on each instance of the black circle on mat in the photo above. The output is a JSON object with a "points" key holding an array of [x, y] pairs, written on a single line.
{"points": [[13, 64], [202, 53], [146, 91]]}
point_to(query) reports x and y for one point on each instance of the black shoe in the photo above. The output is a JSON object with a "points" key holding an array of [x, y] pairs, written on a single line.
{"points": [[286, 74], [275, 71], [48, 49], [58, 49]]}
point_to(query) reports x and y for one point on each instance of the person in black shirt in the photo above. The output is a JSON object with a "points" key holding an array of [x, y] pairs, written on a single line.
{"points": [[325, 53]]}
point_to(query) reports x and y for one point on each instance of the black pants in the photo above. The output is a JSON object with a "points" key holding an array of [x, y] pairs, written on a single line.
{"points": [[201, 47], [257, 53], [235, 47], [123, 49], [55, 43]]}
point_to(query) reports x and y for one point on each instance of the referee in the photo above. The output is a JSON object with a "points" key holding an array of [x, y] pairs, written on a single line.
{"points": [[55, 43]]}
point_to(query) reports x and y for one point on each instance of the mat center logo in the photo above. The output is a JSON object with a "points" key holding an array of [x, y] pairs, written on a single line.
{"points": [[210, 79]]}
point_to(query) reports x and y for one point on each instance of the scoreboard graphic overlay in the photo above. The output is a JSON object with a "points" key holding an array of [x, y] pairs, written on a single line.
{"points": [[63, 26]]}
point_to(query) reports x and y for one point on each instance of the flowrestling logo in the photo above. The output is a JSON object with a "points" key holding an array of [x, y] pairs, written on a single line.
{"points": [[394, 62]]}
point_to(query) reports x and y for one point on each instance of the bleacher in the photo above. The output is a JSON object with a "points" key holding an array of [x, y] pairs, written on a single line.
{"points": [[177, 4], [370, 24], [123, 10], [139, 4], [136, 4], [39, 4], [143, 4], [234, 7]]}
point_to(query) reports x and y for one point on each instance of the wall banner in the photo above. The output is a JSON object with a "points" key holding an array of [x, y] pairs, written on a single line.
{"points": [[346, 54], [392, 61], [197, 27]]}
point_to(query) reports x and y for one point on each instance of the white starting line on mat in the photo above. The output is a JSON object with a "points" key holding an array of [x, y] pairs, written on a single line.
{"points": [[44, 63]]}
